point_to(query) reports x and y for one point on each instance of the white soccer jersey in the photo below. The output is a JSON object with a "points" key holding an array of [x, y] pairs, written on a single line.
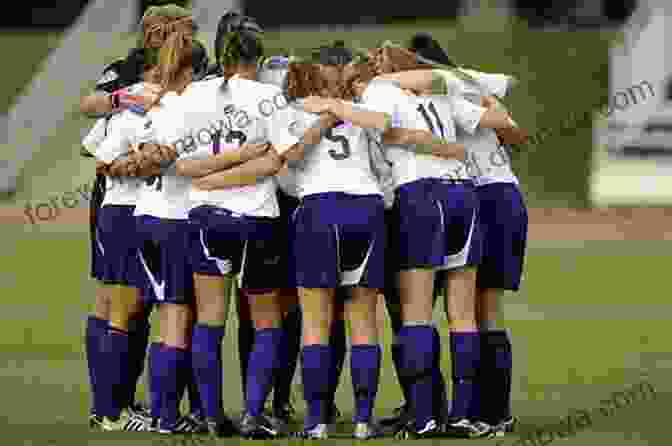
{"points": [[437, 114], [167, 195], [108, 140], [488, 161], [339, 163], [222, 115], [274, 72]]}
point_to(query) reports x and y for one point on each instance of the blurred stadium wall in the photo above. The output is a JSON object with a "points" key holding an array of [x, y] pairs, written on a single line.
{"points": [[43, 119]]}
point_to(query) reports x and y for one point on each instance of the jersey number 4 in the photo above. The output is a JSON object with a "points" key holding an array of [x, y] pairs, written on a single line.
{"points": [[345, 151], [428, 120]]}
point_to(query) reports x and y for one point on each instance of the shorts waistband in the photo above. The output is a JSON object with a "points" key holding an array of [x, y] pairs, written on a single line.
{"points": [[225, 212]]}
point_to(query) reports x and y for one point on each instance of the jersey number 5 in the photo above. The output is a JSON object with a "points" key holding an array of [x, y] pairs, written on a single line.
{"points": [[343, 141]]}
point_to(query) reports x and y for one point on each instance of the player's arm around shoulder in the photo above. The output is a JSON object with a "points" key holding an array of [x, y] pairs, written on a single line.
{"points": [[247, 173]]}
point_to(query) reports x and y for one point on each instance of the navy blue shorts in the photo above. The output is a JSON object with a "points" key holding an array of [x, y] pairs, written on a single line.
{"points": [[226, 243], [97, 197], [118, 242], [504, 225], [166, 275], [288, 206], [339, 240], [436, 225]]}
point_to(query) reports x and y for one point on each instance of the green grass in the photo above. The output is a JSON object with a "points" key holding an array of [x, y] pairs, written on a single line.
{"points": [[566, 357]]}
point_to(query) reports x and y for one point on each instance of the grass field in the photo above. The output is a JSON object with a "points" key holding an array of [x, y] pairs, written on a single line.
{"points": [[591, 320]]}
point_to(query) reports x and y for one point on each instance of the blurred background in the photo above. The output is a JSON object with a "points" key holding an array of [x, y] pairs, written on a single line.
{"points": [[593, 314], [573, 58]]}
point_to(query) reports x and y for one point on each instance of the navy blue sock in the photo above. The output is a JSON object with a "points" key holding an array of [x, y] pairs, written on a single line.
{"points": [[173, 363], [397, 360], [315, 360], [496, 375], [365, 372], [117, 362], [206, 361], [291, 346], [418, 360], [95, 331], [437, 377], [338, 345], [245, 343], [155, 374], [196, 407], [264, 361], [138, 338], [465, 349]]}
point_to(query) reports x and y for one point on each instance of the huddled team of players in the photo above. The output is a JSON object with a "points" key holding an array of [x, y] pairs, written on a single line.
{"points": [[306, 188]]}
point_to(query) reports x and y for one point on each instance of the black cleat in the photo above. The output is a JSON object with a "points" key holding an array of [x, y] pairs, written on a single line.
{"points": [[401, 417], [464, 428], [258, 428], [95, 421], [505, 426], [222, 427]]}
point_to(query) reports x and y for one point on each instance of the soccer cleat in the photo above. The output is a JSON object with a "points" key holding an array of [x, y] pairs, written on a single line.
{"points": [[95, 421], [124, 422], [507, 425], [366, 431], [402, 415], [221, 427], [317, 432], [464, 428], [183, 425], [431, 429], [257, 428], [281, 417], [139, 410]]}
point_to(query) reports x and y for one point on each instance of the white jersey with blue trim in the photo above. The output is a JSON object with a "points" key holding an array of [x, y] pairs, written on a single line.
{"points": [[340, 162], [223, 115], [114, 137], [167, 195], [488, 161], [437, 114]]}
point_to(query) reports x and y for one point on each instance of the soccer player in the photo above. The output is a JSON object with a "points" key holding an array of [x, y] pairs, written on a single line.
{"points": [[341, 214], [117, 76], [235, 214], [452, 246], [116, 242], [503, 218], [164, 230], [274, 71]]}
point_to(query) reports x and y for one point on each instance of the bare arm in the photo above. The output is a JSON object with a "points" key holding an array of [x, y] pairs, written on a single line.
{"points": [[95, 105], [425, 143], [310, 138], [148, 161], [359, 116], [418, 80], [220, 161], [244, 174]]}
